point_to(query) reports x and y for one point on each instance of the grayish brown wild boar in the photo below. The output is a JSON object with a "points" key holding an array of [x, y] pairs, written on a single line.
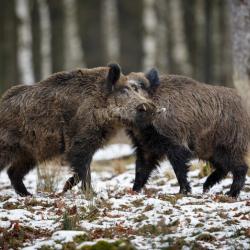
{"points": [[70, 114], [203, 121]]}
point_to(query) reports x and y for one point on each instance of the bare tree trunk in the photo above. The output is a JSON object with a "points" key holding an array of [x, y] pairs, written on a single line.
{"points": [[110, 30], [131, 33], [89, 21], [8, 45], [208, 51], [240, 16], [36, 38], [46, 64], [73, 52], [24, 42], [190, 31], [225, 52], [161, 36], [149, 39], [57, 21], [179, 44]]}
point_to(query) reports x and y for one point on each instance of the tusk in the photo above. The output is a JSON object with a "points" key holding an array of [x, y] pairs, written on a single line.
{"points": [[161, 110]]}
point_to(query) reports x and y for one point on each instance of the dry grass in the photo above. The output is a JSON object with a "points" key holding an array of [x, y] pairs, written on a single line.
{"points": [[48, 176]]}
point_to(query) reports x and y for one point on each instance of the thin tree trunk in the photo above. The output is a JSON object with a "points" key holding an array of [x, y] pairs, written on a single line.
{"points": [[200, 34], [149, 39], [110, 30], [46, 63], [225, 50], [131, 33], [36, 38], [89, 21], [190, 31], [180, 54], [24, 42], [8, 45], [57, 20], [161, 36], [73, 52], [240, 16], [208, 51]]}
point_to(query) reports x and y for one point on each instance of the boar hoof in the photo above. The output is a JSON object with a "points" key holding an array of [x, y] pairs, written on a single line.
{"points": [[136, 189], [25, 194], [185, 190], [233, 194]]}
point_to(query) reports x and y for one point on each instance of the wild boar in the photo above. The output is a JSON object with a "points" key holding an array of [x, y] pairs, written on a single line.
{"points": [[200, 121], [69, 115]]}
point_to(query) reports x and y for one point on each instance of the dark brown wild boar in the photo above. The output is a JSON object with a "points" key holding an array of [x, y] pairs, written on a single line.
{"points": [[69, 115], [200, 121]]}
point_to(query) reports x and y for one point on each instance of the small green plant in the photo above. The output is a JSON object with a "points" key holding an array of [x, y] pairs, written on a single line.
{"points": [[205, 237], [70, 222], [105, 245], [205, 169]]}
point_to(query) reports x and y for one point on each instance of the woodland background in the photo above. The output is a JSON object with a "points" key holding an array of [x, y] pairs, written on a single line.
{"points": [[204, 39]]}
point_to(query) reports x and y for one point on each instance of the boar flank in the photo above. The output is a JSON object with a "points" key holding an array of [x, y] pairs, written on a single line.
{"points": [[200, 121], [69, 115]]}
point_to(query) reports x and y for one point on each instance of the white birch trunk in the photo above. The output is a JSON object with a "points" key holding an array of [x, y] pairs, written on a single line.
{"points": [[24, 53], [73, 51], [46, 64], [240, 17], [110, 29], [149, 39]]}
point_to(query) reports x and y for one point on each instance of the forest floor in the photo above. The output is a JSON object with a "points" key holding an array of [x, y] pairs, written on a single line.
{"points": [[117, 218]]}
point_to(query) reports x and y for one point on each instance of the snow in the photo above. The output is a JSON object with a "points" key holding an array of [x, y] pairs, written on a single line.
{"points": [[156, 218], [113, 151]]}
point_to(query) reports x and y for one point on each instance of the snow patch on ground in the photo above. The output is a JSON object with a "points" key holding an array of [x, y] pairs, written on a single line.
{"points": [[113, 151], [156, 218]]}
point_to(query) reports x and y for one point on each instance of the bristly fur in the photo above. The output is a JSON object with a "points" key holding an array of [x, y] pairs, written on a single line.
{"points": [[70, 114], [203, 121]]}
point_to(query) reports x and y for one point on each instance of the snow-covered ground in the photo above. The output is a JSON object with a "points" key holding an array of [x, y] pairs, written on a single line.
{"points": [[157, 218]]}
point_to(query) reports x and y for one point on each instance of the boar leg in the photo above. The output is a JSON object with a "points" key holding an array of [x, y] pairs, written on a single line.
{"points": [[16, 173], [71, 182], [75, 179], [145, 164], [80, 160], [179, 157], [219, 173], [239, 178]]}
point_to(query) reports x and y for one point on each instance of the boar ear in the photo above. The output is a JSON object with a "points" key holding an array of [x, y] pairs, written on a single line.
{"points": [[153, 77], [113, 75]]}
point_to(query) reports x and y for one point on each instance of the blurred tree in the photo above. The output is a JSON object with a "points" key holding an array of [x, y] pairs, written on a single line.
{"points": [[208, 42], [36, 38], [8, 45], [190, 31], [240, 14], [45, 49], [179, 45], [131, 32], [150, 23], [177, 36], [89, 21], [225, 47], [57, 20], [73, 50], [111, 30], [24, 55], [162, 62]]}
